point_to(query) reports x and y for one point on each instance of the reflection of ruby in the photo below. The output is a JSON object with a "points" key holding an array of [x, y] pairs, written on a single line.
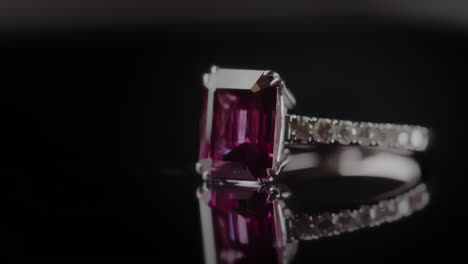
{"points": [[243, 129], [244, 227]]}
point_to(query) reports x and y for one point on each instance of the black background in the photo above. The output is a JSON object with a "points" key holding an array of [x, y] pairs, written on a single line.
{"points": [[102, 126]]}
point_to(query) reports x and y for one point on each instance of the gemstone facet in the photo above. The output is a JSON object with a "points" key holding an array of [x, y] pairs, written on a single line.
{"points": [[241, 122]]}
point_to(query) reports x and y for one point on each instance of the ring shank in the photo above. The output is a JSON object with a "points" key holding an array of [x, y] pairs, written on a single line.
{"points": [[310, 130]]}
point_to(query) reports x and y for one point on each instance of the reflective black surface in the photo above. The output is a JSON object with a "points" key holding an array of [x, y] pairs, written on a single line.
{"points": [[245, 224], [102, 128]]}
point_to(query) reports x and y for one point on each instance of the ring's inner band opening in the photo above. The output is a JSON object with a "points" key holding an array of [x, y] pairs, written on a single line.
{"points": [[345, 177]]}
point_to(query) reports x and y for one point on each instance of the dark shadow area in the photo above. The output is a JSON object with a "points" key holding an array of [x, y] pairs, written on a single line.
{"points": [[102, 127]]}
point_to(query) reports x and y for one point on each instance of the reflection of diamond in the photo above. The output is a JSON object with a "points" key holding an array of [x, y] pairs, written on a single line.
{"points": [[304, 228], [344, 132], [345, 221], [322, 131], [324, 223], [327, 224], [404, 208], [415, 201], [380, 213], [364, 216], [391, 209], [418, 198]]}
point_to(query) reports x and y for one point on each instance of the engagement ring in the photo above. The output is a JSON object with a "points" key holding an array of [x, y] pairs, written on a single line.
{"points": [[245, 124]]}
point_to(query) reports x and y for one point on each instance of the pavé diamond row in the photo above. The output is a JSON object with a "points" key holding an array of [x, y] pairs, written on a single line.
{"points": [[303, 130], [307, 227]]}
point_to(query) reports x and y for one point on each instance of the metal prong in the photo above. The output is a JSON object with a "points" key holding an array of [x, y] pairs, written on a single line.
{"points": [[283, 190], [289, 99], [265, 181], [273, 196], [267, 72], [206, 78], [198, 167], [275, 82], [199, 192], [271, 173], [205, 175], [286, 194], [284, 160]]}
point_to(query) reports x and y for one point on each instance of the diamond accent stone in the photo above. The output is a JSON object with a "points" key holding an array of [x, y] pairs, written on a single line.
{"points": [[385, 135], [322, 131], [403, 137], [366, 134], [344, 132], [301, 130], [310, 130], [419, 138]]}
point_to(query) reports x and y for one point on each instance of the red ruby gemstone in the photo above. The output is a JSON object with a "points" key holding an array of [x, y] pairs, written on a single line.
{"points": [[243, 226], [241, 130]]}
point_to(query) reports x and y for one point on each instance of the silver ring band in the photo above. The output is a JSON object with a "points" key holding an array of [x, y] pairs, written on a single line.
{"points": [[246, 122], [309, 130]]}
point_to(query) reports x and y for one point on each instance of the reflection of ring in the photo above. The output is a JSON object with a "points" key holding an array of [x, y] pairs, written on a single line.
{"points": [[307, 226], [250, 224], [246, 224], [245, 121]]}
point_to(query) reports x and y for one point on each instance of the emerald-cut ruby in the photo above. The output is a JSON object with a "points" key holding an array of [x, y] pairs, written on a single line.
{"points": [[241, 122]]}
